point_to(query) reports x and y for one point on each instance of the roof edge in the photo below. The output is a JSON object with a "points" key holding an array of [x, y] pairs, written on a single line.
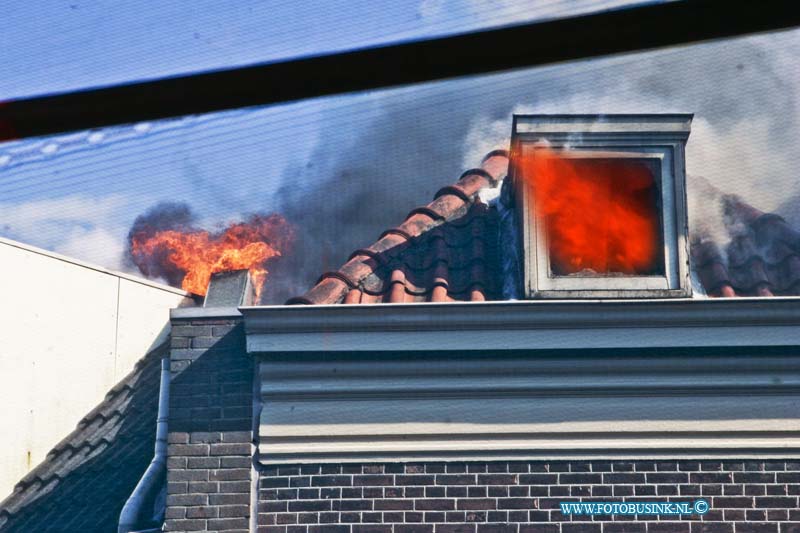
{"points": [[525, 325], [92, 266]]}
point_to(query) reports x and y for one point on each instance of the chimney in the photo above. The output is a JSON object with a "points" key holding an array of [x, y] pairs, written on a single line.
{"points": [[233, 288]]}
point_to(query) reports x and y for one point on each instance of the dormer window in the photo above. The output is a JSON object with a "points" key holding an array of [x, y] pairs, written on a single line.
{"points": [[603, 204]]}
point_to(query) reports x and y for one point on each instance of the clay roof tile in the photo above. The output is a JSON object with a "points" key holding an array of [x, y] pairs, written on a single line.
{"points": [[439, 253]]}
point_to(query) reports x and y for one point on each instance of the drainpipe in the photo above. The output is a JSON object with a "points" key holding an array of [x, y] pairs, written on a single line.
{"points": [[136, 514]]}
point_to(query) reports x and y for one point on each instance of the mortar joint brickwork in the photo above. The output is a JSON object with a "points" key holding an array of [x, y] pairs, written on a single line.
{"points": [[210, 427], [523, 497]]}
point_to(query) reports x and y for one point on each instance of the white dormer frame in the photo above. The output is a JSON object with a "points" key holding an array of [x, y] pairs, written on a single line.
{"points": [[658, 140]]}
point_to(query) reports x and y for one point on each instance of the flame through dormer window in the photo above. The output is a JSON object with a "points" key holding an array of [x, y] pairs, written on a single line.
{"points": [[603, 204]]}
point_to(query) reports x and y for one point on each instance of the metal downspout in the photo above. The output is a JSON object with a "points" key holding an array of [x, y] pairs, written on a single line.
{"points": [[135, 513]]}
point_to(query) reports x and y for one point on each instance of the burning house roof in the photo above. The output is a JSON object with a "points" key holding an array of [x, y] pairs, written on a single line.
{"points": [[448, 251], [605, 219]]}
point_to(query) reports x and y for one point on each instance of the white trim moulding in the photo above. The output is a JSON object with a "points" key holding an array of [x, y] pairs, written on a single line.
{"points": [[524, 325]]}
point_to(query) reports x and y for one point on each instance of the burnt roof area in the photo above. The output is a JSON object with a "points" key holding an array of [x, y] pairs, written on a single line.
{"points": [[448, 250]]}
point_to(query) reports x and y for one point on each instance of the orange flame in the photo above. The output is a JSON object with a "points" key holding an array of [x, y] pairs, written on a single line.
{"points": [[601, 214], [199, 254]]}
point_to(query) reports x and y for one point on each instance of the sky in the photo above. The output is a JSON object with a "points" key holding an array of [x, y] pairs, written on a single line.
{"points": [[59, 45], [344, 168]]}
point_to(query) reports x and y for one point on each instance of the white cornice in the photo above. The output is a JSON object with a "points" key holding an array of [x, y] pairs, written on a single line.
{"points": [[333, 408], [426, 402], [530, 325]]}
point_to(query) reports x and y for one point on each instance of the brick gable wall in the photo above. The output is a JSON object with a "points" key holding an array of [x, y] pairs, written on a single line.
{"points": [[523, 497], [210, 474], [210, 428]]}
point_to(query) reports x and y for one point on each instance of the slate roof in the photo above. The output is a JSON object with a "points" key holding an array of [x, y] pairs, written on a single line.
{"points": [[448, 251], [85, 480]]}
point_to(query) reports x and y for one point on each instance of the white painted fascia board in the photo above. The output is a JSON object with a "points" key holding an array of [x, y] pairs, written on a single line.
{"points": [[524, 325]]}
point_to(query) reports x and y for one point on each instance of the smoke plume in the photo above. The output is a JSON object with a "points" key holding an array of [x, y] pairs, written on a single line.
{"points": [[380, 154], [385, 153]]}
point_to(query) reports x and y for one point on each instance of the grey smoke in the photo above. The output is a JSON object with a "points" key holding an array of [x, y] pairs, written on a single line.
{"points": [[388, 152]]}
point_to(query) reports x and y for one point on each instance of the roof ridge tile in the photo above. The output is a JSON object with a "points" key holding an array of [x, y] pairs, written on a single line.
{"points": [[427, 210], [452, 202], [454, 190]]}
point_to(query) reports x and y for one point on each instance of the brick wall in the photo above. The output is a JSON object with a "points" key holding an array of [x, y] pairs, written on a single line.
{"points": [[210, 427], [210, 468], [523, 497]]}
